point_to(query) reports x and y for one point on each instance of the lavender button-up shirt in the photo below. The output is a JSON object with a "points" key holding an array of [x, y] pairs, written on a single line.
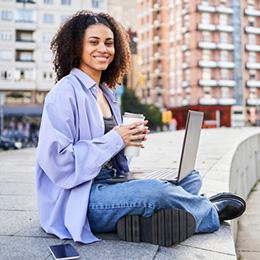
{"points": [[71, 151]]}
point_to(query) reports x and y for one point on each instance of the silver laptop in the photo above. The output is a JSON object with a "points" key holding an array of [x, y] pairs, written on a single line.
{"points": [[187, 159]]}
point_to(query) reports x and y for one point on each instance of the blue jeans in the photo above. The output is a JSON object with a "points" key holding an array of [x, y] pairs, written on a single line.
{"points": [[109, 202]]}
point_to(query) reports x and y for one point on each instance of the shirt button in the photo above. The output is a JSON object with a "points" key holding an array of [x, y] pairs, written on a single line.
{"points": [[118, 146], [102, 125]]}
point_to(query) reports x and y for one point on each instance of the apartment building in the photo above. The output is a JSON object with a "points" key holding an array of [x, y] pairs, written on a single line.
{"points": [[26, 30], [201, 54]]}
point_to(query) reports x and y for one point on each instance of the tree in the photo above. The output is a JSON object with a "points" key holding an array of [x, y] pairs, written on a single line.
{"points": [[131, 103]]}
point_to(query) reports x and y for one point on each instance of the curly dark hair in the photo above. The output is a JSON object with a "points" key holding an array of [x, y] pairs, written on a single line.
{"points": [[67, 46]]}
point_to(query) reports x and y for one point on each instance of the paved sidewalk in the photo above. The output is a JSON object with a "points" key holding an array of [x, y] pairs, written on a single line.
{"points": [[21, 236], [248, 240]]}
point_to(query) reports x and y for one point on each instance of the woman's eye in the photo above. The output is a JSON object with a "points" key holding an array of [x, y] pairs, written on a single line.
{"points": [[109, 43], [93, 42]]}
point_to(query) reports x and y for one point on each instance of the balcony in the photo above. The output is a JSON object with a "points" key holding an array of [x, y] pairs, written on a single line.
{"points": [[251, 29], [251, 47], [208, 83], [157, 56], [207, 45], [224, 10], [207, 64], [185, 29], [226, 83], [157, 39], [253, 102], [156, 23], [185, 65], [206, 27], [225, 46], [26, 1], [208, 101], [206, 8], [253, 65], [184, 47], [252, 12], [226, 64], [184, 11], [226, 101], [224, 28], [185, 84], [253, 83]]}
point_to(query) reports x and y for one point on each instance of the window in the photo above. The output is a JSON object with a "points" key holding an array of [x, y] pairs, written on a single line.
{"points": [[40, 96], [223, 19], [206, 74], [251, 21], [223, 37], [206, 54], [18, 97], [63, 18], [48, 1], [24, 55], [47, 56], [7, 15], [47, 75], [224, 92], [206, 36], [48, 18], [252, 39], [6, 35], [65, 2], [205, 2], [97, 4], [25, 16], [205, 18], [6, 75], [24, 74], [224, 74], [224, 55], [47, 37], [6, 55], [252, 74], [251, 57]]}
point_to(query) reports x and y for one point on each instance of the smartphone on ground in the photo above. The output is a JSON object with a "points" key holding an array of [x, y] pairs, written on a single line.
{"points": [[63, 252]]}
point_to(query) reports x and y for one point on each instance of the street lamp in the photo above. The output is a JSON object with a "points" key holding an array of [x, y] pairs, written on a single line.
{"points": [[2, 102]]}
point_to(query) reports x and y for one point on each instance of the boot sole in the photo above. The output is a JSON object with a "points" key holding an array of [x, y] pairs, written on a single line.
{"points": [[165, 228]]}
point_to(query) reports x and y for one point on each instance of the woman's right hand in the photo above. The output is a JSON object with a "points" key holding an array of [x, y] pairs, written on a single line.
{"points": [[132, 133]]}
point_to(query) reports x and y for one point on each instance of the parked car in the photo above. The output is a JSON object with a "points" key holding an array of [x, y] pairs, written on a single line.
{"points": [[6, 144]]}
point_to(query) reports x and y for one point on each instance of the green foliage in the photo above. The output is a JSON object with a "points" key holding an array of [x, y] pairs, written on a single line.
{"points": [[152, 113]]}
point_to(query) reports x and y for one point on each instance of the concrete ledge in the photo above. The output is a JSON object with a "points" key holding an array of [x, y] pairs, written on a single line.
{"points": [[228, 160]]}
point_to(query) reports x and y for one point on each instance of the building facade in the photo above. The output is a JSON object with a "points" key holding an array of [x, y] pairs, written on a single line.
{"points": [[26, 71], [200, 53]]}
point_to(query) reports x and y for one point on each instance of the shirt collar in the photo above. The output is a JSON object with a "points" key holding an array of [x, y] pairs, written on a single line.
{"points": [[87, 81]]}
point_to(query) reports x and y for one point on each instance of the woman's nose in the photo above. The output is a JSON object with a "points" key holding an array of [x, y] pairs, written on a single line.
{"points": [[102, 47]]}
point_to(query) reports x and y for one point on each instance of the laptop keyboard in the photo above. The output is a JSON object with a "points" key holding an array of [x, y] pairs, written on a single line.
{"points": [[164, 174]]}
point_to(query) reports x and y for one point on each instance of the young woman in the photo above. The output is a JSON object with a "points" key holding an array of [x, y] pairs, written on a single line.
{"points": [[81, 145]]}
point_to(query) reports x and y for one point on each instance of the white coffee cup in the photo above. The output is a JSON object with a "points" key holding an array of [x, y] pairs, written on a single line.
{"points": [[129, 118]]}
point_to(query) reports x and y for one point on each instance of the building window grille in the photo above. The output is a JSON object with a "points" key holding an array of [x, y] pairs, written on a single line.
{"points": [[6, 35], [65, 2], [7, 15], [100, 4], [25, 16], [48, 18], [48, 1]]}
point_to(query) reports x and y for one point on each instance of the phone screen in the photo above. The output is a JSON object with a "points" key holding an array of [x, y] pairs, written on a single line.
{"points": [[64, 251]]}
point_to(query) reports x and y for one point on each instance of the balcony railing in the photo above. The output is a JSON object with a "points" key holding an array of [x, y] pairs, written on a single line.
{"points": [[208, 101], [253, 65], [207, 64], [252, 12], [206, 8], [251, 47], [226, 83], [224, 28], [224, 10], [207, 45], [251, 29], [253, 83], [206, 27], [208, 83], [226, 64], [253, 101], [226, 101], [225, 46]]}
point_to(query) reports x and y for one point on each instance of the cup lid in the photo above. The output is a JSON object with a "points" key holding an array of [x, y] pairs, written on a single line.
{"points": [[127, 114]]}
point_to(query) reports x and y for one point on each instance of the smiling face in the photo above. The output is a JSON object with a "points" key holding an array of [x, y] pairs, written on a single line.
{"points": [[98, 50]]}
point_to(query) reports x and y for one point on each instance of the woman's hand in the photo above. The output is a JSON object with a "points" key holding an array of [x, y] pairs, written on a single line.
{"points": [[133, 134]]}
